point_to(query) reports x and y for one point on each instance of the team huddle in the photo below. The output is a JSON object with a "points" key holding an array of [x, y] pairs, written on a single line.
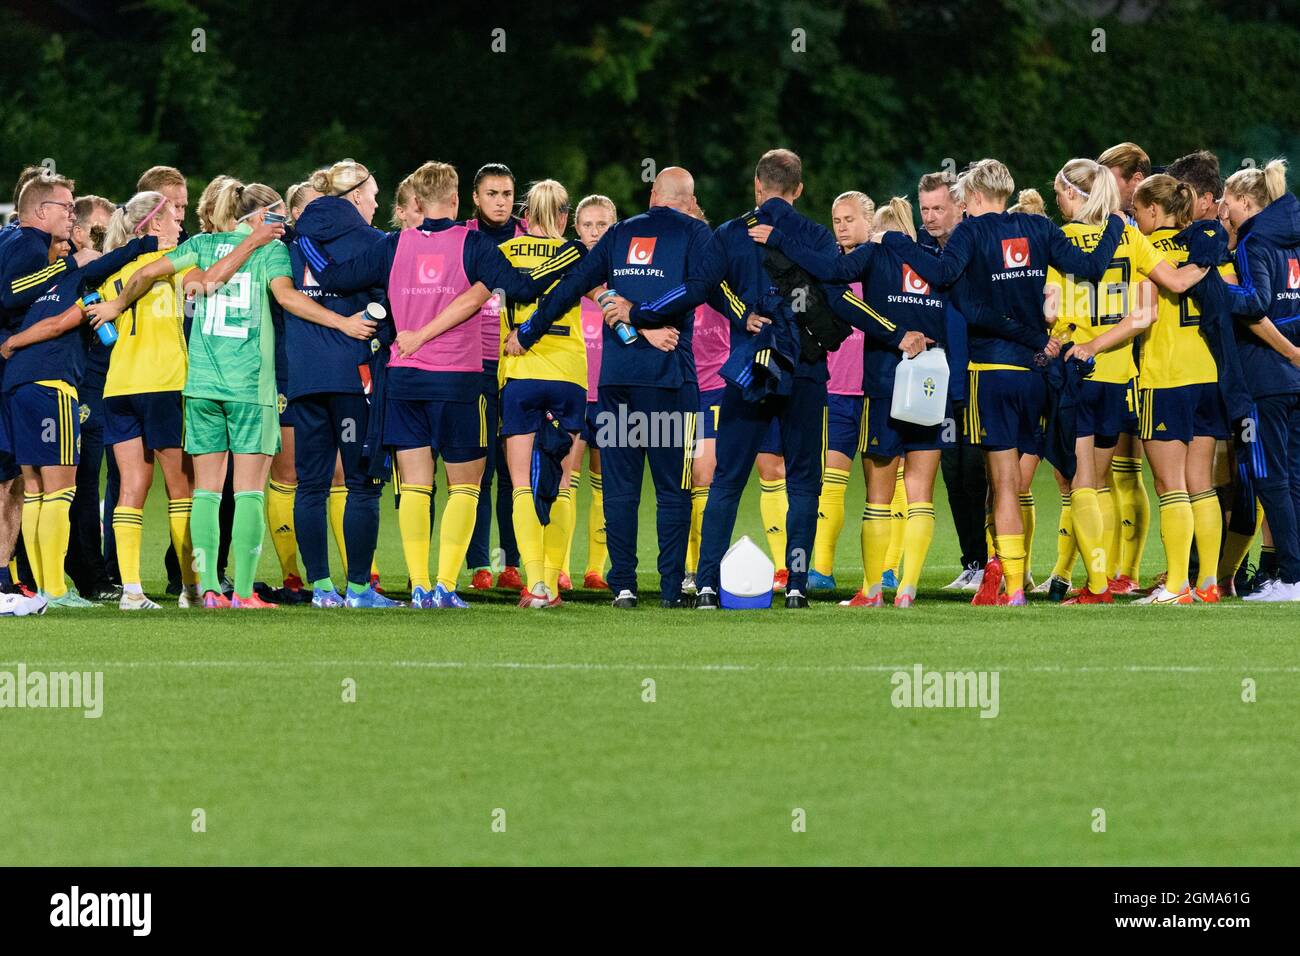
{"points": [[290, 360]]}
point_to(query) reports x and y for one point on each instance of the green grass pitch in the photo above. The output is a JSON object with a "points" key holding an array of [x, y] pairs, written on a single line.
{"points": [[538, 720]]}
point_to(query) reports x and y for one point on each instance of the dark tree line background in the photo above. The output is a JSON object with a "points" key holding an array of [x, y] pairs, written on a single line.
{"points": [[871, 93]]}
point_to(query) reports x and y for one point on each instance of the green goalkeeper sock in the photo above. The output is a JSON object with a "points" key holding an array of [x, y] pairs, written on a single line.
{"points": [[205, 533], [246, 538]]}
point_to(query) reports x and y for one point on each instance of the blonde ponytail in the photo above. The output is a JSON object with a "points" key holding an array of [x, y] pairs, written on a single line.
{"points": [[1261, 186], [896, 216], [1096, 185], [128, 217], [546, 203]]}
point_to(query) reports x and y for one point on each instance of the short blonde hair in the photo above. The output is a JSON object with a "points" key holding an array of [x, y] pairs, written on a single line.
{"points": [[155, 177], [40, 188], [991, 179], [1128, 158], [434, 182], [865, 203], [595, 199]]}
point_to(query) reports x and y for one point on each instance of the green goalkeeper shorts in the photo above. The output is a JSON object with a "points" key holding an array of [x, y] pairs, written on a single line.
{"points": [[239, 427]]}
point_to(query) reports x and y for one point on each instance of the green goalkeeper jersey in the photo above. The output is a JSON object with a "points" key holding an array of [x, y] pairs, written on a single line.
{"points": [[232, 337]]}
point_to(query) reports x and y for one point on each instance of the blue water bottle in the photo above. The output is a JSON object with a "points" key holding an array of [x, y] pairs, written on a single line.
{"points": [[108, 331], [623, 330]]}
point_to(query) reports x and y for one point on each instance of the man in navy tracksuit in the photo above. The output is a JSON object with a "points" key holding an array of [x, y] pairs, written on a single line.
{"points": [[328, 379], [778, 182], [669, 262]]}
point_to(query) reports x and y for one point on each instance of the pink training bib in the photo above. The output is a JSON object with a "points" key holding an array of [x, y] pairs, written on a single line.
{"points": [[593, 325], [845, 363], [428, 273], [711, 343]]}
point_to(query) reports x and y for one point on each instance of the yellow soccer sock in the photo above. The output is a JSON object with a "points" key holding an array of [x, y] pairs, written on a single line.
{"points": [[529, 535], [916, 543], [1208, 523], [1011, 550], [1111, 531], [1134, 514], [128, 530], [413, 523], [54, 529], [178, 526], [830, 519], [597, 550], [1029, 518], [31, 539], [773, 506], [699, 498], [1177, 526], [457, 529], [876, 520], [575, 479], [1066, 548], [279, 519], [1237, 546], [1086, 511], [555, 537], [898, 524], [989, 545], [338, 503]]}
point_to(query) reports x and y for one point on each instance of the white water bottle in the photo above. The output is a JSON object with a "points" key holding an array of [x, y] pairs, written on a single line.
{"points": [[921, 388], [746, 576]]}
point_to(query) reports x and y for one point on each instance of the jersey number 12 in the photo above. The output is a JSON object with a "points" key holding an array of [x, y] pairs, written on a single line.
{"points": [[237, 296]]}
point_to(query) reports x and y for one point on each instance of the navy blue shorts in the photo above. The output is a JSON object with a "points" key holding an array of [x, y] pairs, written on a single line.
{"points": [[1130, 425], [525, 402], [1100, 412], [288, 414], [886, 437], [156, 417], [9, 469], [44, 426], [710, 409], [710, 406], [1183, 413], [589, 423], [844, 424], [455, 431], [1004, 409]]}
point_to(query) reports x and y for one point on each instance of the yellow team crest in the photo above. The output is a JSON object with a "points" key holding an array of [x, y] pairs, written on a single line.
{"points": [[281, 403], [84, 413]]}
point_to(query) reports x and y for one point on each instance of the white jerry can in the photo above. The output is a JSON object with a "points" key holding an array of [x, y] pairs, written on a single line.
{"points": [[746, 576], [921, 388]]}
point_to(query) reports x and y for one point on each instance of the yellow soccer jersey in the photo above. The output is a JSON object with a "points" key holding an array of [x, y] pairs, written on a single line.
{"points": [[1173, 350], [149, 354], [1092, 310], [561, 354]]}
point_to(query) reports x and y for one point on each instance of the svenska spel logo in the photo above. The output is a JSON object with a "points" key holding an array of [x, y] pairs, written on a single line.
{"points": [[429, 268], [1015, 253], [1293, 273], [641, 250], [913, 283]]}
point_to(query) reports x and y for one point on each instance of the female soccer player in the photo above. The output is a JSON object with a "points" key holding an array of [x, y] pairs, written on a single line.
{"points": [[230, 393], [45, 360], [329, 374], [914, 319], [142, 399], [493, 196], [851, 219], [1087, 196], [545, 383], [593, 215], [1267, 220]]}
